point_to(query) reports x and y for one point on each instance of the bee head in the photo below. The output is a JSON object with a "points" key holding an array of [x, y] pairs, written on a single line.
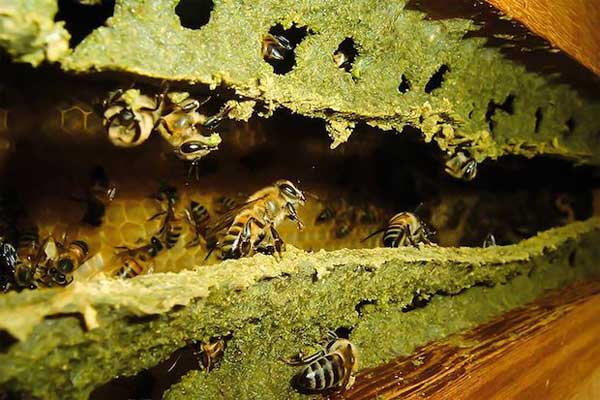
{"points": [[290, 192], [156, 244], [58, 277]]}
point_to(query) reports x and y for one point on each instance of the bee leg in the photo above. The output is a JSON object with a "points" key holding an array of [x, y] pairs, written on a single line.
{"points": [[277, 241], [213, 121], [300, 360], [293, 215], [244, 245], [155, 216]]}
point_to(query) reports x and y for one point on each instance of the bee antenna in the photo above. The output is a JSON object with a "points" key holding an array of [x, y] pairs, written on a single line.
{"points": [[418, 208], [312, 195]]}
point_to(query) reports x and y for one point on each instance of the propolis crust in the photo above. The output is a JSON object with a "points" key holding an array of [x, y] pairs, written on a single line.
{"points": [[73, 340], [485, 101]]}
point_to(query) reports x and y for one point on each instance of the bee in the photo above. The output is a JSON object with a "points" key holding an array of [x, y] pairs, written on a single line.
{"points": [[136, 261], [341, 60], [72, 256], [329, 369], [404, 229], [172, 226], [327, 214], [252, 226], [198, 217], [489, 241], [130, 116], [275, 47], [368, 215], [461, 166], [210, 354], [179, 126], [31, 256], [345, 222], [99, 193], [224, 204], [8, 262]]}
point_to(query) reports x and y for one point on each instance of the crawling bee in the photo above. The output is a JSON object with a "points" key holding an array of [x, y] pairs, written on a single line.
{"points": [[8, 262], [329, 369], [72, 256], [461, 166], [172, 226], [31, 255], [137, 261], [404, 229], [325, 215], [179, 125], [130, 116], [345, 223], [489, 241], [198, 217], [224, 204], [275, 47], [252, 226], [210, 354], [99, 193]]}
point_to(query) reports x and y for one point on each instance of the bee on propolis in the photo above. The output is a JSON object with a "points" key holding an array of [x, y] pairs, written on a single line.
{"points": [[137, 261], [210, 354], [489, 241], [461, 166], [275, 47], [99, 194], [404, 229], [251, 227], [329, 369], [130, 116], [171, 226], [184, 127], [199, 219]]}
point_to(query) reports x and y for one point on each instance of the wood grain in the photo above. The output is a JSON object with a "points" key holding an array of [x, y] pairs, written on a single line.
{"points": [[571, 25], [548, 350]]}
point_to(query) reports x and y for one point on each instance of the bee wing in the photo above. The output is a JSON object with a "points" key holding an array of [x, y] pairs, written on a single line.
{"points": [[374, 233], [225, 220]]}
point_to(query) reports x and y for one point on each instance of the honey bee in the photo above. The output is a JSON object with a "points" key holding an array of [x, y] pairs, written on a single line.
{"points": [[329, 369], [99, 193], [404, 229], [345, 223], [224, 204], [179, 126], [252, 226], [31, 255], [172, 225], [489, 241], [461, 166], [210, 354], [327, 214], [130, 116], [198, 217], [136, 261], [275, 47], [72, 256], [8, 262], [341, 59]]}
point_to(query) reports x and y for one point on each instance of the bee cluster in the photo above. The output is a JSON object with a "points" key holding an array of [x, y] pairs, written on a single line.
{"points": [[131, 116]]}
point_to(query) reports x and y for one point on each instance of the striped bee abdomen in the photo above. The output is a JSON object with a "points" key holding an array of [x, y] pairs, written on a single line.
{"points": [[323, 374]]}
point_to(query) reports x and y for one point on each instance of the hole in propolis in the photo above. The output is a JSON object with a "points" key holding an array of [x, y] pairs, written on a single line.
{"points": [[6, 341], [405, 85], [539, 115], [82, 19], [571, 124], [194, 14], [293, 36], [345, 54], [507, 106], [437, 79]]}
